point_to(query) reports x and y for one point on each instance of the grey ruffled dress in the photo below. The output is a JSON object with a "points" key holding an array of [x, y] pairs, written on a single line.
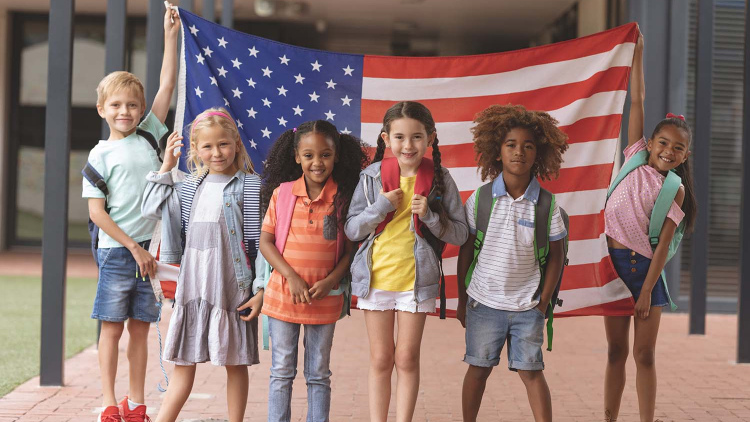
{"points": [[205, 325]]}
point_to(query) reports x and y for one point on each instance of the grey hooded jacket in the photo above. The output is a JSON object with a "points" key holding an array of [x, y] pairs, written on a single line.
{"points": [[368, 208]]}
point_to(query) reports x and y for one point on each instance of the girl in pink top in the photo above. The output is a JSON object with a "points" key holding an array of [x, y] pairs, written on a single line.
{"points": [[626, 218]]}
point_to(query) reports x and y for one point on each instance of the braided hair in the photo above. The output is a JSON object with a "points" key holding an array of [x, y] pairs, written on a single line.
{"points": [[420, 113], [281, 165]]}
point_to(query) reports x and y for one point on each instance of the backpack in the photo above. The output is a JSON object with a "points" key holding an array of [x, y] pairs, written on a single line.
{"points": [[663, 203], [389, 176], [545, 206], [284, 211], [96, 179]]}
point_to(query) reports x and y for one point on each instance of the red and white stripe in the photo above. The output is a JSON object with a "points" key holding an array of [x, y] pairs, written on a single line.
{"points": [[582, 83]]}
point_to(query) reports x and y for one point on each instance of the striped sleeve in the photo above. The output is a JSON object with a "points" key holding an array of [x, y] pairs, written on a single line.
{"points": [[557, 227]]}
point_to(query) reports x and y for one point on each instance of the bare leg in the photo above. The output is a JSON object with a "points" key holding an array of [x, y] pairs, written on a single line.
{"points": [[137, 358], [408, 342], [180, 386], [644, 350], [380, 325], [538, 392], [475, 381], [617, 329], [237, 386], [109, 339]]}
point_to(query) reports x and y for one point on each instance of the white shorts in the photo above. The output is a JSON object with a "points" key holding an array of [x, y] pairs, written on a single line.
{"points": [[384, 300]]}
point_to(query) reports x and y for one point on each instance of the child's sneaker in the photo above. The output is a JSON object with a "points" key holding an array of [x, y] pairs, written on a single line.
{"points": [[110, 414], [136, 415]]}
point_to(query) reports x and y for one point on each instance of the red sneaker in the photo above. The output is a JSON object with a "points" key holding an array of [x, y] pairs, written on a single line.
{"points": [[110, 414], [136, 415]]}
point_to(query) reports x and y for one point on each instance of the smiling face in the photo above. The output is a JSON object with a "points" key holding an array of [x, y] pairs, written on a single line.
{"points": [[408, 141], [668, 148], [217, 150], [518, 152], [316, 154], [122, 110]]}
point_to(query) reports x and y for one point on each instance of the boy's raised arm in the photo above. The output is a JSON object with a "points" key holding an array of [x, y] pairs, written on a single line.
{"points": [[168, 77]]}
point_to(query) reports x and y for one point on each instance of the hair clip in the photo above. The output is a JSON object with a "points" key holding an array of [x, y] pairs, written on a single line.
{"points": [[294, 130], [675, 116]]}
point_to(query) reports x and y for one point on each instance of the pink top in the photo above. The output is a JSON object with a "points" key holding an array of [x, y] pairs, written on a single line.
{"points": [[628, 210]]}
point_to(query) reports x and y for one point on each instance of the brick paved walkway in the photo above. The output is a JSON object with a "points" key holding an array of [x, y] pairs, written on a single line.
{"points": [[698, 379]]}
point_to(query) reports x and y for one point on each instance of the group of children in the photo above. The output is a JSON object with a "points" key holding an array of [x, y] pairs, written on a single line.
{"points": [[331, 219]]}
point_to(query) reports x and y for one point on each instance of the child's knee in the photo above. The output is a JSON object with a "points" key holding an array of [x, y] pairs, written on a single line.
{"points": [[407, 360], [617, 353], [112, 329], [531, 376], [382, 362], [479, 373], [645, 356], [137, 328]]}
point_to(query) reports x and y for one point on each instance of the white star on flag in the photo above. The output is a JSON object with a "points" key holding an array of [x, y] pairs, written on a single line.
{"points": [[198, 91], [213, 80], [329, 115], [193, 30], [347, 70], [251, 82], [222, 71], [284, 60], [299, 78], [222, 43], [266, 133], [266, 102], [237, 93], [226, 102], [314, 97], [331, 84], [253, 52], [282, 91], [298, 111], [199, 58], [251, 112], [346, 131], [207, 51], [239, 124], [267, 72], [236, 63], [253, 144], [316, 66], [346, 100], [282, 121]]}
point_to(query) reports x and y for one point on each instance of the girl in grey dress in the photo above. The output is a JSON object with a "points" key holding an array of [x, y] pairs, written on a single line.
{"points": [[215, 278]]}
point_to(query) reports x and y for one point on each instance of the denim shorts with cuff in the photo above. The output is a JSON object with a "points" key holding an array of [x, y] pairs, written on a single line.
{"points": [[119, 293], [488, 329], [632, 268]]}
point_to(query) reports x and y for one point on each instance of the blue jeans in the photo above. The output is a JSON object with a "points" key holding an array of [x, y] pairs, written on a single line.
{"points": [[318, 341]]}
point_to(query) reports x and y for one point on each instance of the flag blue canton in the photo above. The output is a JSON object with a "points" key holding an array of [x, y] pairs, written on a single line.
{"points": [[268, 87]]}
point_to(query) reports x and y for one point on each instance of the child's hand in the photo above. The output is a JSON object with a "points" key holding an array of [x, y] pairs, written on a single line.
{"points": [[299, 290], [172, 152], [321, 288], [643, 306], [419, 205], [461, 313], [395, 196], [639, 43], [171, 22], [146, 262], [255, 304]]}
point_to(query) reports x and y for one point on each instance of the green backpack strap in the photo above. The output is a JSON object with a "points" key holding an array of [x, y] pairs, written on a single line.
{"points": [[545, 206], [483, 205], [639, 159]]}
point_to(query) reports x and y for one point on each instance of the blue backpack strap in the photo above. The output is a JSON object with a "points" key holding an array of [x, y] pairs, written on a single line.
{"points": [[149, 137], [640, 158], [96, 179]]}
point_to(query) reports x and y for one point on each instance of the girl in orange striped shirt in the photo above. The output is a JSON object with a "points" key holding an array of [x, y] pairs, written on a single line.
{"points": [[322, 167]]}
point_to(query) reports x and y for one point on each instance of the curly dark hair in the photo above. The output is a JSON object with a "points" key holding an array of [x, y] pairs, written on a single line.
{"points": [[280, 167], [420, 113], [493, 125]]}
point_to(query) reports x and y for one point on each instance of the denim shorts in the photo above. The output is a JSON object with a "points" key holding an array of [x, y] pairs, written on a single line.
{"points": [[632, 268], [488, 329], [119, 294]]}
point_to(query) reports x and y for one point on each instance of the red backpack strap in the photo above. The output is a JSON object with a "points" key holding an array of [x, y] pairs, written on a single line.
{"points": [[423, 186], [284, 210], [389, 176]]}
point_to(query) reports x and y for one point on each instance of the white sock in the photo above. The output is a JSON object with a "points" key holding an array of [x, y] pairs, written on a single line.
{"points": [[132, 405]]}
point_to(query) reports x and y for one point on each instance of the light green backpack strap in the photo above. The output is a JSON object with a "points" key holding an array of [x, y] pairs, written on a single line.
{"points": [[662, 205], [264, 319], [639, 159]]}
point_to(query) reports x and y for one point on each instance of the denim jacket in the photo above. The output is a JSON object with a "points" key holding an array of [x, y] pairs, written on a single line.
{"points": [[169, 196], [368, 208]]}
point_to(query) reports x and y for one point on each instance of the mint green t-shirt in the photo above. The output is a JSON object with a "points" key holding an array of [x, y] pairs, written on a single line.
{"points": [[124, 164]]}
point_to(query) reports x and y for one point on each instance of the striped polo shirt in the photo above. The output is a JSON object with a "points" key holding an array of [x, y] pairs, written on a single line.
{"points": [[507, 274], [308, 252]]}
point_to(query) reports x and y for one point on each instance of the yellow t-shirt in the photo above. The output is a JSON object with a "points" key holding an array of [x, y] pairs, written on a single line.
{"points": [[393, 265]]}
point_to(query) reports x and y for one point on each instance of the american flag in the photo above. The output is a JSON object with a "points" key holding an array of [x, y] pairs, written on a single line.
{"points": [[270, 87]]}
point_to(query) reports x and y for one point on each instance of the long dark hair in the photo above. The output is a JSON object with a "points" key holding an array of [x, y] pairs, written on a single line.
{"points": [[281, 165], [420, 113], [689, 204]]}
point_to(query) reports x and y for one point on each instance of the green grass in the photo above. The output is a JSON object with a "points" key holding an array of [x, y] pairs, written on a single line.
{"points": [[20, 325]]}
